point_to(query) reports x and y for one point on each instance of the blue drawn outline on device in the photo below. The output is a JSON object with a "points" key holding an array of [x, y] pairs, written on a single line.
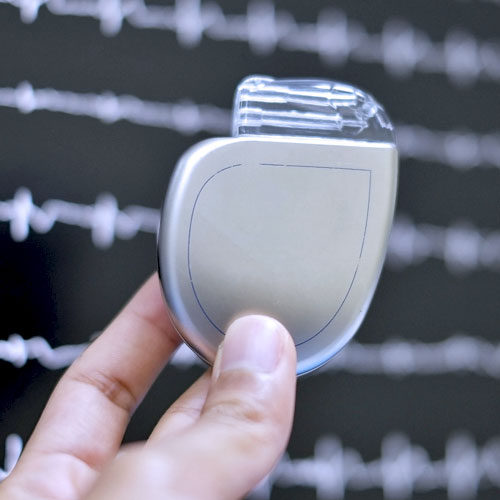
{"points": [[282, 165]]}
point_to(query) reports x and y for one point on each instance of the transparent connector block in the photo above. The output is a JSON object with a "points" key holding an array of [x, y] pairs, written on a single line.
{"points": [[308, 108]]}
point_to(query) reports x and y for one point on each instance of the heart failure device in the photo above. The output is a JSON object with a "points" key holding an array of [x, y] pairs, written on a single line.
{"points": [[289, 217]]}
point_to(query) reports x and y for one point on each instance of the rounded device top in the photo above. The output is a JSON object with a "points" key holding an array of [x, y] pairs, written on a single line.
{"points": [[308, 108]]}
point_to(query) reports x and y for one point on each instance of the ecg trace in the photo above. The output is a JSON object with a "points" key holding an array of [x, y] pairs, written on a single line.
{"points": [[458, 354], [184, 117], [18, 351], [336, 39], [403, 468], [103, 218], [462, 247], [458, 149]]}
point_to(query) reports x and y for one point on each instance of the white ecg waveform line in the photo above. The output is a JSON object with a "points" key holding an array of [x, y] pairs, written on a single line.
{"points": [[401, 48], [184, 117], [459, 354], [463, 248], [458, 149], [456, 354], [103, 218], [402, 469], [18, 351]]}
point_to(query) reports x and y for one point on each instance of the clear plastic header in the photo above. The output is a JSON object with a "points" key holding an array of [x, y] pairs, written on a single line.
{"points": [[308, 108]]}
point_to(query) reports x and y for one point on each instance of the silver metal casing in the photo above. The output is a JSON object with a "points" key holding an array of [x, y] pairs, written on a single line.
{"points": [[294, 228]]}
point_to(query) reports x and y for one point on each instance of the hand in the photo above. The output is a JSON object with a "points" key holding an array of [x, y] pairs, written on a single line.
{"points": [[222, 436]]}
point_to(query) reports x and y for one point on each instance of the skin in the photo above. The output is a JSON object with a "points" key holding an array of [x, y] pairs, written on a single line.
{"points": [[217, 441]]}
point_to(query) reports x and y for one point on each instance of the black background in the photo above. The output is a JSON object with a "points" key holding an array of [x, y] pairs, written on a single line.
{"points": [[60, 286]]}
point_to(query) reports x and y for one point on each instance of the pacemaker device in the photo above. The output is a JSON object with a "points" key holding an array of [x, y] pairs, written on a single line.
{"points": [[289, 217]]}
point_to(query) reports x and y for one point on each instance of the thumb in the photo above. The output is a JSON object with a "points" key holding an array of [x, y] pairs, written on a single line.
{"points": [[242, 431], [249, 409]]}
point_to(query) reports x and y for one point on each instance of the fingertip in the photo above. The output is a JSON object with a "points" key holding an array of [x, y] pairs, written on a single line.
{"points": [[256, 342]]}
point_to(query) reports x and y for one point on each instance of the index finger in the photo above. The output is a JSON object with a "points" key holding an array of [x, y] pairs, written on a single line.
{"points": [[83, 423]]}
